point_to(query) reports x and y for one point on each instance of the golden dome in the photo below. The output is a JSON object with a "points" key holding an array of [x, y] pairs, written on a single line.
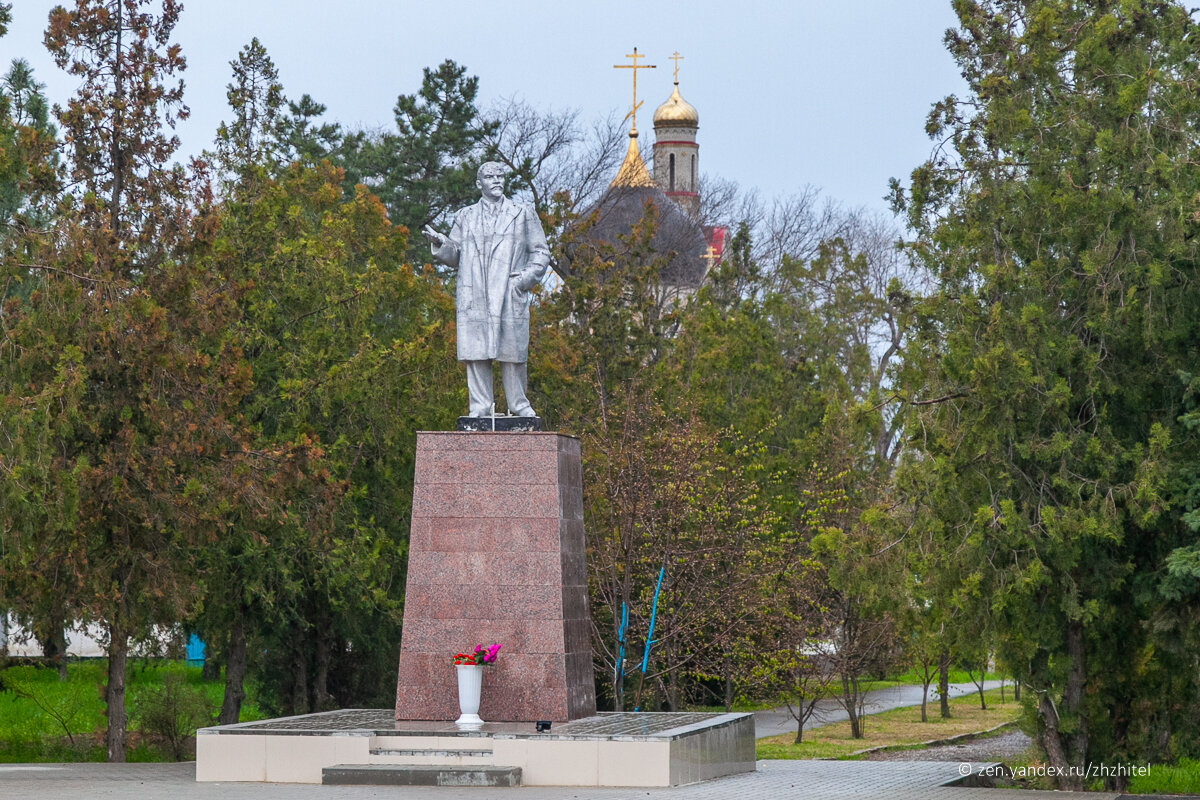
{"points": [[676, 112], [633, 171]]}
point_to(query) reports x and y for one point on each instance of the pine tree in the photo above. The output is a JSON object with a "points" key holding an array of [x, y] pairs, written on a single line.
{"points": [[425, 170], [257, 135]]}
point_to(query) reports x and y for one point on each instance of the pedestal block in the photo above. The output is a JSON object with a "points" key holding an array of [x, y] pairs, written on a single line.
{"points": [[496, 554]]}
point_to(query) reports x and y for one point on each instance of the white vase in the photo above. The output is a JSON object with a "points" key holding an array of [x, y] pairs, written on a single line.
{"points": [[470, 685]]}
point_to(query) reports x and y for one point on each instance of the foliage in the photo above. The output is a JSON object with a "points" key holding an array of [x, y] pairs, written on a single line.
{"points": [[256, 136], [1054, 467], [27, 155], [170, 714], [350, 348]]}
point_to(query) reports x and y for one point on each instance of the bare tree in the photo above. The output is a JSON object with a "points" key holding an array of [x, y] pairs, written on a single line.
{"points": [[553, 154]]}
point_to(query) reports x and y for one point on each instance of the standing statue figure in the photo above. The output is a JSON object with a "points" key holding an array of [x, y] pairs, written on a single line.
{"points": [[500, 252]]}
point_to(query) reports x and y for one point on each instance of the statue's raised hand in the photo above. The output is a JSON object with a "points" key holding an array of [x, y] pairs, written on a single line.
{"points": [[436, 239]]}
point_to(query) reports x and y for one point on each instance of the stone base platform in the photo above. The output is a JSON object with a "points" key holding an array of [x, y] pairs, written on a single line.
{"points": [[608, 749], [501, 424]]}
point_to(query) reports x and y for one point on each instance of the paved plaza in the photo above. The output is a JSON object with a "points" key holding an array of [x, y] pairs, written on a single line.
{"points": [[774, 779]]}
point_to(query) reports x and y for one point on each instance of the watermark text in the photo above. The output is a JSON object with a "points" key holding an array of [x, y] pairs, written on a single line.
{"points": [[1089, 771]]}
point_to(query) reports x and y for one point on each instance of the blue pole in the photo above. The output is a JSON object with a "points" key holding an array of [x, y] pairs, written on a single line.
{"points": [[653, 613], [621, 644], [650, 633]]}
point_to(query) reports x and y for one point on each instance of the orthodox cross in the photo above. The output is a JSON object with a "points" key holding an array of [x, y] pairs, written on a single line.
{"points": [[635, 66], [676, 58], [710, 256]]}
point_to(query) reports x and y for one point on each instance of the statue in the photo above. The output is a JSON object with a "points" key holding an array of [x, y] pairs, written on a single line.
{"points": [[500, 252]]}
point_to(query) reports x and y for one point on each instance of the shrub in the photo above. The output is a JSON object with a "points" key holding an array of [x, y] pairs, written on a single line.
{"points": [[168, 715]]}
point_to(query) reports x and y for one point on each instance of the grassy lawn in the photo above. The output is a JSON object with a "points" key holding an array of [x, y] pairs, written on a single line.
{"points": [[901, 726], [910, 678], [1181, 778], [43, 719]]}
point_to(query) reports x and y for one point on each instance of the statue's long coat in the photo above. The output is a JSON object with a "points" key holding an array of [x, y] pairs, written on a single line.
{"points": [[493, 309]]}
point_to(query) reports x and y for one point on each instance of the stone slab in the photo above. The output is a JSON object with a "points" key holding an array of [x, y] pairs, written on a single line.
{"points": [[499, 424], [497, 555]]}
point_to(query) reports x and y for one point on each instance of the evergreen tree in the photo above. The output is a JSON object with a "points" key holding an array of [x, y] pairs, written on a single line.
{"points": [[425, 170], [120, 385], [257, 135], [1061, 224], [351, 350], [308, 141]]}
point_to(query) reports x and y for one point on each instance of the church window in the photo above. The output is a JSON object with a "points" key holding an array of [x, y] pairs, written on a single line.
{"points": [[671, 174]]}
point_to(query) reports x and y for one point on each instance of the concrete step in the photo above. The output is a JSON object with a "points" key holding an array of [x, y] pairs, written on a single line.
{"points": [[431, 756], [430, 752], [419, 775]]}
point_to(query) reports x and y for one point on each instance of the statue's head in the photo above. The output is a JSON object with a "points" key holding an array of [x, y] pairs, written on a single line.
{"points": [[490, 179]]}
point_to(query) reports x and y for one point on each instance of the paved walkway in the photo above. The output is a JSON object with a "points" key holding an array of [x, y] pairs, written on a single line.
{"points": [[777, 720], [914, 780]]}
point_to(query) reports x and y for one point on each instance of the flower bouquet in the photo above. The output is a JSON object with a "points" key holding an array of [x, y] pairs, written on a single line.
{"points": [[479, 656]]}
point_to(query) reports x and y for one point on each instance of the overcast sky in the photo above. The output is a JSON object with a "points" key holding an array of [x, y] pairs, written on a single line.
{"points": [[790, 92]]}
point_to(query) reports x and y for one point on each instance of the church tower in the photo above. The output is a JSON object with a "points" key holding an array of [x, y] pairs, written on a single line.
{"points": [[676, 153]]}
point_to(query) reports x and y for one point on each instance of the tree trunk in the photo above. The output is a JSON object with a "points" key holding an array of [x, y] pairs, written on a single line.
{"points": [[235, 674], [982, 681], [729, 685], [1067, 752], [1017, 690], [928, 679], [300, 679], [850, 701], [114, 692], [944, 682], [800, 724], [322, 700], [1076, 742], [59, 640], [1052, 743], [116, 155], [52, 637]]}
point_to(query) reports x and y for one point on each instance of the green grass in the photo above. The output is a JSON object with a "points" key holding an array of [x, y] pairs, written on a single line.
{"points": [[910, 678], [45, 719], [900, 727], [1181, 778], [740, 705]]}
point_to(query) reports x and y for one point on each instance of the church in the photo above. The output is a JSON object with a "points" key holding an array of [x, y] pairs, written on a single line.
{"points": [[693, 247]]}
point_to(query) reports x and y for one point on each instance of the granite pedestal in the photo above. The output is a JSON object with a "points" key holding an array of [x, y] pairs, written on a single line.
{"points": [[496, 554]]}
